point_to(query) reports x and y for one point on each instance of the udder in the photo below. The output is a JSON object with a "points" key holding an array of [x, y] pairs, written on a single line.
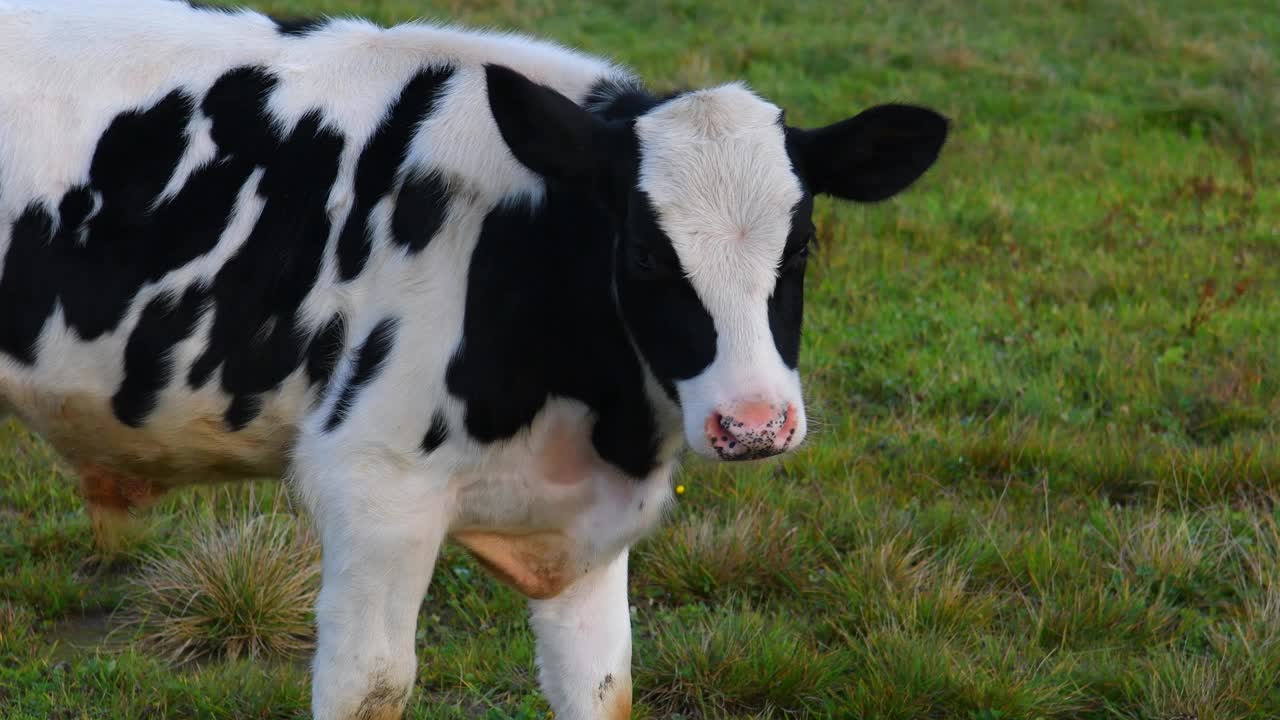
{"points": [[538, 565]]}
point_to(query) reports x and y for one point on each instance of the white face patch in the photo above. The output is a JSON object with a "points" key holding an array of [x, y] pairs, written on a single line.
{"points": [[715, 167]]}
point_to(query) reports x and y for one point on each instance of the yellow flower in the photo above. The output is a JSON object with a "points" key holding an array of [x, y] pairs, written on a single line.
{"points": [[679, 489]]}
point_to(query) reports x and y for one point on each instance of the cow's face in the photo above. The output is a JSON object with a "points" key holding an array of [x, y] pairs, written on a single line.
{"points": [[710, 269], [713, 195]]}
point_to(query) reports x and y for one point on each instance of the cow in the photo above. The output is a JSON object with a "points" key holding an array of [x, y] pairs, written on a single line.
{"points": [[453, 285]]}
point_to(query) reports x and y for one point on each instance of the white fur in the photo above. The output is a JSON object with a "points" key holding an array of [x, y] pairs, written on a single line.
{"points": [[714, 163], [585, 633]]}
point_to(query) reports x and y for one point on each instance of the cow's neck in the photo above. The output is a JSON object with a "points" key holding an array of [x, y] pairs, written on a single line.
{"points": [[541, 322]]}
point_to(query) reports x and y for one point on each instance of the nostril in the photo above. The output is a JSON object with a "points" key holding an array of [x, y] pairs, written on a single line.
{"points": [[787, 430], [716, 428]]}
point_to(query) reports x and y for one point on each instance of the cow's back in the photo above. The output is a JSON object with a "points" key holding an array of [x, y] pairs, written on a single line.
{"points": [[199, 215]]}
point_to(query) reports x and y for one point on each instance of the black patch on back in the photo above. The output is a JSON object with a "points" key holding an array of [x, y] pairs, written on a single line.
{"points": [[380, 162], [256, 339], [786, 304], [540, 322], [109, 238], [133, 162], [420, 210], [111, 235], [237, 106], [367, 360], [437, 434], [148, 365], [298, 27]]}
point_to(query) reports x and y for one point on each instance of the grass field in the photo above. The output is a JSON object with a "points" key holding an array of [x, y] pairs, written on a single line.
{"points": [[1046, 384]]}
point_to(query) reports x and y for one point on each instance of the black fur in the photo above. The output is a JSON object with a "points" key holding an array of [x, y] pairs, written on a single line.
{"points": [[786, 304], [594, 156], [255, 338], [148, 367], [367, 360], [99, 263], [870, 157], [421, 207], [325, 350], [113, 237], [380, 162], [242, 411], [436, 435], [551, 135], [298, 27], [27, 283], [196, 5], [540, 323], [673, 330], [110, 240]]}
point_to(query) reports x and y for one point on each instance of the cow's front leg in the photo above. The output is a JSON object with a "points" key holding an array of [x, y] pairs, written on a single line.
{"points": [[584, 645], [380, 546]]}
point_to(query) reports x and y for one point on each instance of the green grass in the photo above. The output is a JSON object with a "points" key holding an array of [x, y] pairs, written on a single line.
{"points": [[1044, 474]]}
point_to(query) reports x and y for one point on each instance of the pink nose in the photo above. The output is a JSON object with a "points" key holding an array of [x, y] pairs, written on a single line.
{"points": [[751, 430]]}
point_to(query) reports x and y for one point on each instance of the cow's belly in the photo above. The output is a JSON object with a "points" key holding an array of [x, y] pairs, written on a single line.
{"points": [[546, 509], [184, 441]]}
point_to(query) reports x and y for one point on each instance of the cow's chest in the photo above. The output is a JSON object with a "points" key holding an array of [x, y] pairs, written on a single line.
{"points": [[544, 509]]}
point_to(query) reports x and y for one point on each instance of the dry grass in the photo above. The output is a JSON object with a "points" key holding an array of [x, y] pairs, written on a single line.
{"points": [[12, 620], [243, 587]]}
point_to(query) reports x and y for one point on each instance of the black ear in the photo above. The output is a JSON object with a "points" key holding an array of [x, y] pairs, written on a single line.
{"points": [[546, 131], [872, 156]]}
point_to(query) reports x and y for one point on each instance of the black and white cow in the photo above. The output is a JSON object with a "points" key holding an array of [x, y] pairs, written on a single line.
{"points": [[454, 284]]}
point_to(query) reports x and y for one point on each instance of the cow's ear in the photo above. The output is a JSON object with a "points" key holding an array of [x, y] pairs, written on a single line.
{"points": [[871, 156], [546, 131]]}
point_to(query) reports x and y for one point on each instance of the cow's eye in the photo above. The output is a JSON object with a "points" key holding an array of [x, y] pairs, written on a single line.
{"points": [[795, 259], [645, 263]]}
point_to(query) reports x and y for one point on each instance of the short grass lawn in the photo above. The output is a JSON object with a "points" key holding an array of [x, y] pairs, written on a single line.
{"points": [[1044, 476]]}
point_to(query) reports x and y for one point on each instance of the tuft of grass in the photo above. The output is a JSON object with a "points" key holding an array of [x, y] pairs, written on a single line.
{"points": [[14, 621], [897, 673], [757, 551], [895, 584], [713, 663], [241, 588], [1180, 683]]}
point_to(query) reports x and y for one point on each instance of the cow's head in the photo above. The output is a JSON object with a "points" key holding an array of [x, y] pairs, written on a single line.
{"points": [[713, 195]]}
